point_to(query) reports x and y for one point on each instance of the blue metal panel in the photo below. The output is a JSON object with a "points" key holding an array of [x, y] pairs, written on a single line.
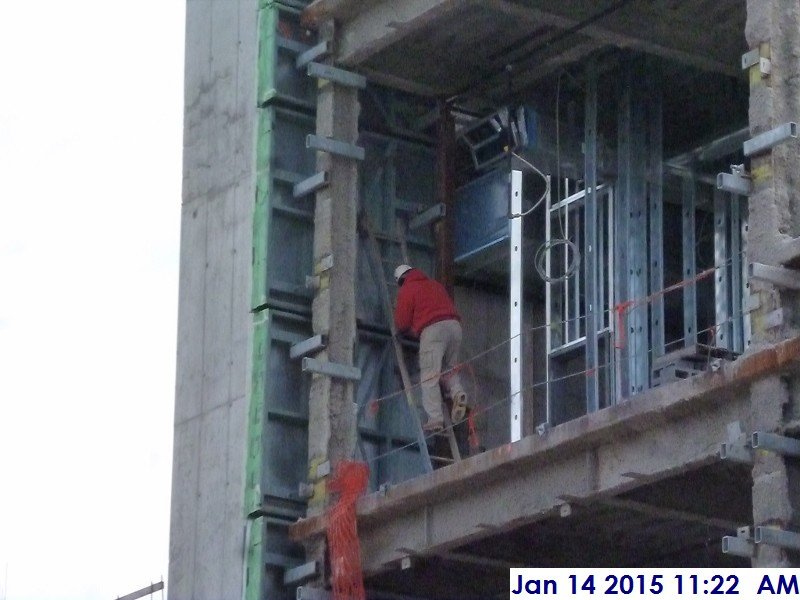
{"points": [[481, 215], [395, 176], [286, 411], [291, 234]]}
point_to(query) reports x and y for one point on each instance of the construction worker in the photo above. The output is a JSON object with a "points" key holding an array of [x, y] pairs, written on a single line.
{"points": [[425, 310]]}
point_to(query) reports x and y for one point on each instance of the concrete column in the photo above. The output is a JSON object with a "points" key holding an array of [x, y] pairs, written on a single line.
{"points": [[773, 26], [331, 429]]}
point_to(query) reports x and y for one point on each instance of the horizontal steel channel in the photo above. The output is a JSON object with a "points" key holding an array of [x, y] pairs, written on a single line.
{"points": [[313, 344], [779, 444], [737, 546], [434, 213], [311, 184], [734, 183], [301, 574], [324, 144], [735, 453], [777, 537], [313, 53], [311, 365], [770, 139], [340, 76], [779, 276]]}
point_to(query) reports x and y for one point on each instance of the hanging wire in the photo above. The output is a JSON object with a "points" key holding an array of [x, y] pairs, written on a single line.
{"points": [[619, 309], [505, 399]]}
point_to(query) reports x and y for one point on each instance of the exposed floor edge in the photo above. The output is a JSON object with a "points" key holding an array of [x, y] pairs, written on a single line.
{"points": [[642, 412]]}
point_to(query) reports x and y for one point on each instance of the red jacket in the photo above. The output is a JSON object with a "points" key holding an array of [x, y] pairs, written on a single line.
{"points": [[421, 302]]}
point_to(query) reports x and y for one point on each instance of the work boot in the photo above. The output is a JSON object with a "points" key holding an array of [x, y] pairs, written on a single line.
{"points": [[459, 410]]}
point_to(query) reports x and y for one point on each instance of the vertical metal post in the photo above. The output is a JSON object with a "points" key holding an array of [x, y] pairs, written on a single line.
{"points": [[744, 210], [638, 353], [689, 262], [656, 218], [590, 239], [621, 229], [721, 302], [613, 375], [515, 306], [737, 340], [548, 312]]}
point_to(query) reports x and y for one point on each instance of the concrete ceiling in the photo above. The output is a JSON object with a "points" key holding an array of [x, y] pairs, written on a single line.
{"points": [[446, 47]]}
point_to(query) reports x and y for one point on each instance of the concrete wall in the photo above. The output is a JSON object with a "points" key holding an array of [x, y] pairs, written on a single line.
{"points": [[207, 524]]}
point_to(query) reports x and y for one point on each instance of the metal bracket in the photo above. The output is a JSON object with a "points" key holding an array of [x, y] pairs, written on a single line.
{"points": [[324, 264], [301, 574], [777, 537], [291, 45], [750, 58], [340, 76], [734, 183], [770, 139], [311, 184], [773, 319], [434, 213], [773, 442], [331, 146], [305, 490], [323, 469], [736, 452], [779, 276], [313, 282], [311, 365], [313, 53], [739, 545], [311, 593], [312, 344], [753, 58]]}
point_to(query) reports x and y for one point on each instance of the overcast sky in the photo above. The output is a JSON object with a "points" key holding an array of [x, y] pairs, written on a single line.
{"points": [[90, 176]]}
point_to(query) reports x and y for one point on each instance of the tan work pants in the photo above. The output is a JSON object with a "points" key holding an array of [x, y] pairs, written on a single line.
{"points": [[438, 352]]}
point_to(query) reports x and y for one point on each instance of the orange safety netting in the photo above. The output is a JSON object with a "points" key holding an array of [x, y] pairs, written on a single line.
{"points": [[349, 482]]}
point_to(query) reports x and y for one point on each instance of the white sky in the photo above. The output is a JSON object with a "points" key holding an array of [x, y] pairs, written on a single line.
{"points": [[90, 176]]}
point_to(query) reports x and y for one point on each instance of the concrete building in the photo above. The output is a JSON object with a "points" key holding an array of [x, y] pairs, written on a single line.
{"points": [[631, 342]]}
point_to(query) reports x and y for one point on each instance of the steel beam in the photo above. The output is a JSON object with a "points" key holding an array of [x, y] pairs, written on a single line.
{"points": [[515, 306], [590, 239], [770, 139], [721, 276], [426, 217], [737, 546], [736, 452], [331, 146], [777, 537], [689, 263], [656, 219], [313, 344], [151, 589], [734, 183], [335, 370], [334, 75], [311, 184], [313, 53], [778, 276], [305, 592], [301, 573], [779, 444]]}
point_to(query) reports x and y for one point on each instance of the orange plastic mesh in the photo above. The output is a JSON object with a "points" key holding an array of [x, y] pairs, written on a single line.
{"points": [[349, 482]]}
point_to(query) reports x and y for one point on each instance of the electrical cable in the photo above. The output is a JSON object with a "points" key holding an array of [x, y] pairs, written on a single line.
{"points": [[544, 195]]}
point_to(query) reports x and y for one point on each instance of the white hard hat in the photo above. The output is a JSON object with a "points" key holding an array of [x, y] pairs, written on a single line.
{"points": [[400, 271]]}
